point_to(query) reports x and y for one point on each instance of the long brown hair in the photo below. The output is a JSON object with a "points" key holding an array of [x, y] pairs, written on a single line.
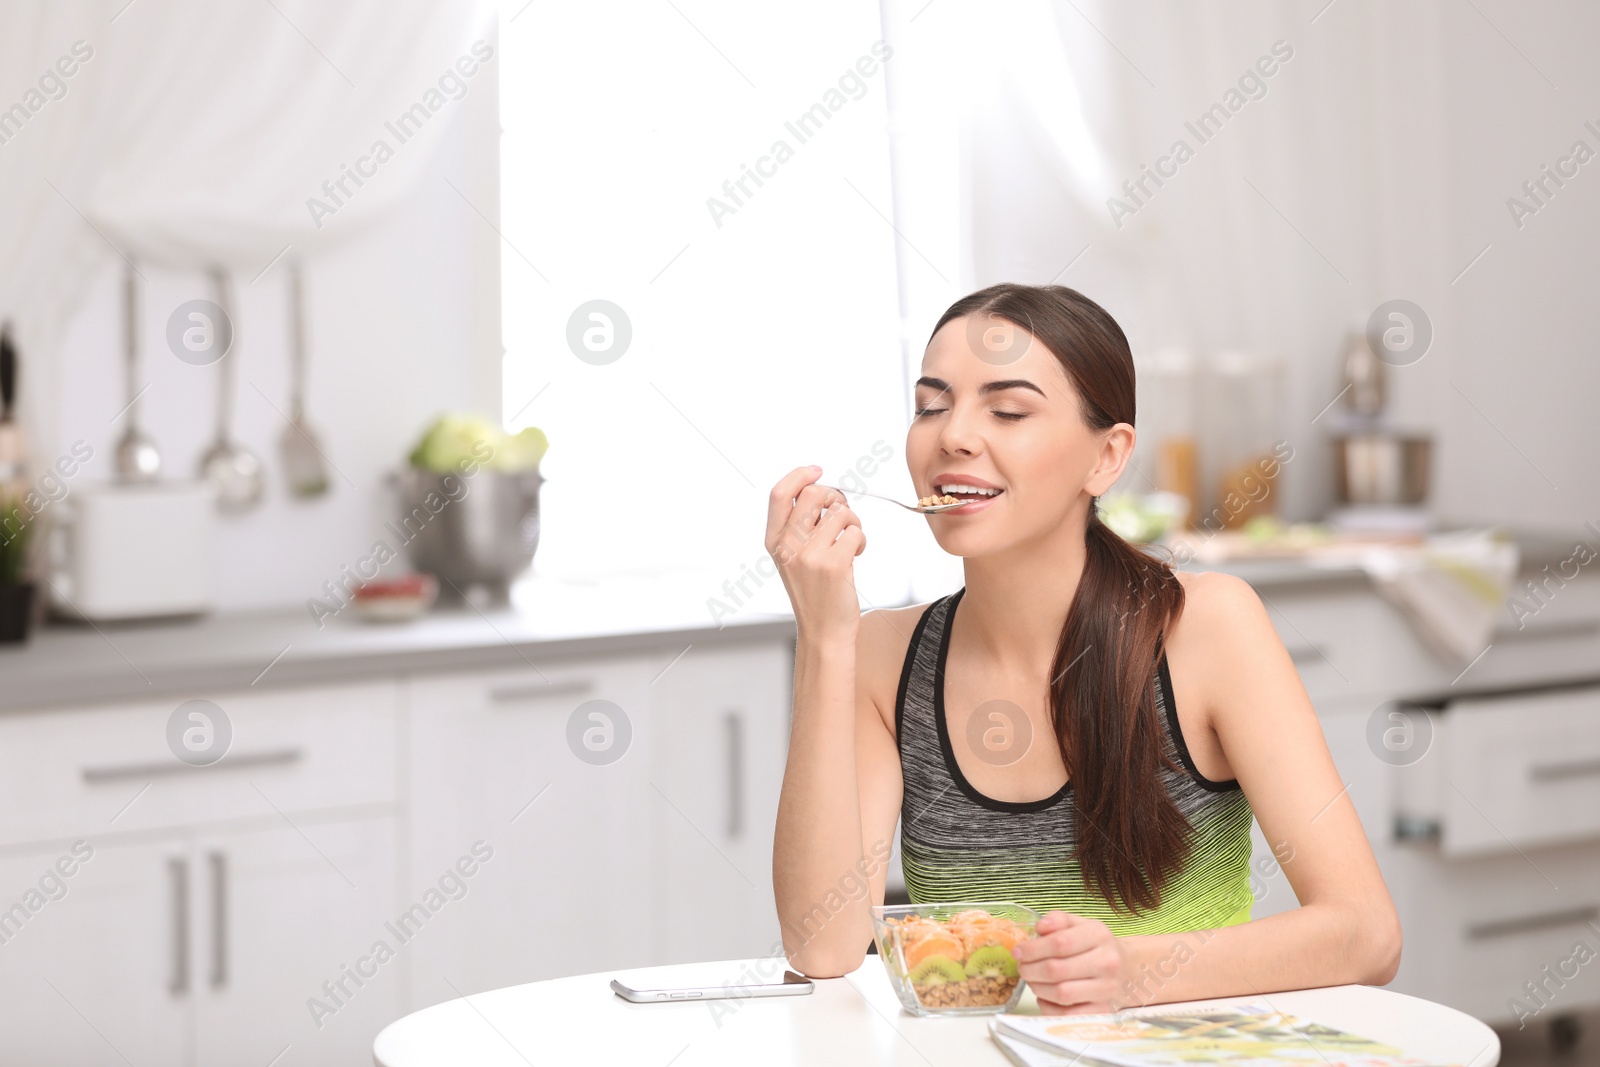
{"points": [[1131, 836]]}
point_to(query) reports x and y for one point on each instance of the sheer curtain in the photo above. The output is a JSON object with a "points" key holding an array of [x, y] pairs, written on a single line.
{"points": [[189, 132], [1016, 123]]}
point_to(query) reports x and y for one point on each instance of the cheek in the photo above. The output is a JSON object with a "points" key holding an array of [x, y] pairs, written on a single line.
{"points": [[1050, 462], [919, 446]]}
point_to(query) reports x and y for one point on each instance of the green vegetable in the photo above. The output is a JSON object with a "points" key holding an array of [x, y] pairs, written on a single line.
{"points": [[1142, 519], [453, 438]]}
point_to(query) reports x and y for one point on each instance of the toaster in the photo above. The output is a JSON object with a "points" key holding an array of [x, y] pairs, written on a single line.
{"points": [[134, 551]]}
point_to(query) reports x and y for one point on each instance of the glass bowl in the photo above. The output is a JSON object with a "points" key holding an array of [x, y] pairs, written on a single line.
{"points": [[955, 958]]}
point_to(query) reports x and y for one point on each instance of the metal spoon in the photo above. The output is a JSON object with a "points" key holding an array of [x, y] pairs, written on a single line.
{"points": [[233, 468], [138, 459], [302, 448], [926, 509]]}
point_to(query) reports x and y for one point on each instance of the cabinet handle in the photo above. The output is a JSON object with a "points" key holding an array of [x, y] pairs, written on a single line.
{"points": [[219, 919], [178, 882], [516, 694], [1501, 927], [159, 768], [734, 726], [1305, 654], [1544, 772], [1547, 631]]}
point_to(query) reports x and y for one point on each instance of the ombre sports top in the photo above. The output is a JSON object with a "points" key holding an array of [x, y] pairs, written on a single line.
{"points": [[958, 844]]}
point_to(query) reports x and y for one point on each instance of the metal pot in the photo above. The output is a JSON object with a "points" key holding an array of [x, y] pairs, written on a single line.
{"points": [[1383, 468], [470, 531]]}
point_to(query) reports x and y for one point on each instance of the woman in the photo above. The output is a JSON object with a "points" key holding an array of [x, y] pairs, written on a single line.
{"points": [[1089, 734]]}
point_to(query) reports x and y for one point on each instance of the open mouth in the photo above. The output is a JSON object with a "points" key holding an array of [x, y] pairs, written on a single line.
{"points": [[962, 491]]}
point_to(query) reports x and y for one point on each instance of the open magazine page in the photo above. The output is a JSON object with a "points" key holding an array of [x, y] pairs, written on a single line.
{"points": [[1027, 1054], [1234, 1035]]}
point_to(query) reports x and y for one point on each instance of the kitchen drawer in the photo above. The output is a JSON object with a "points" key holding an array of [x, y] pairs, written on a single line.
{"points": [[1519, 771], [1494, 923], [105, 769]]}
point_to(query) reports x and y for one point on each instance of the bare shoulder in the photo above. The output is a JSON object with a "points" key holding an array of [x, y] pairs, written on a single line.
{"points": [[881, 645], [1223, 635], [1212, 598]]}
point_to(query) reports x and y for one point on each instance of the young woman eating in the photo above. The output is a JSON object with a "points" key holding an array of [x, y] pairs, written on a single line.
{"points": [[1079, 728]]}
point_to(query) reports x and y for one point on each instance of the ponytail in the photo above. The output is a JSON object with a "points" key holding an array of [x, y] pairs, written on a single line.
{"points": [[1131, 835]]}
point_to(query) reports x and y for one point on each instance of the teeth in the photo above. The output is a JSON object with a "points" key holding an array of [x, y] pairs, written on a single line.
{"points": [[956, 487]]}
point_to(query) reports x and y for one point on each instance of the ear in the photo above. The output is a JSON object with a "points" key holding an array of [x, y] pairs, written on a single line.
{"points": [[1116, 448]]}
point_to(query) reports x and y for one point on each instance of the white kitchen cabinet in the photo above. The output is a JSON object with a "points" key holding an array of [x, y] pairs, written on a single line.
{"points": [[1494, 935], [1519, 771], [209, 910], [68, 771], [285, 923], [96, 976], [558, 848], [1489, 840], [716, 771]]}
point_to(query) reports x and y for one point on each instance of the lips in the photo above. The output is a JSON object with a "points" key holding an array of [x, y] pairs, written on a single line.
{"points": [[954, 478], [962, 486]]}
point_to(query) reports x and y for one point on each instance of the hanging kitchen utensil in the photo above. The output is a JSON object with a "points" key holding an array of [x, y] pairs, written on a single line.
{"points": [[138, 459], [302, 448], [233, 468]]}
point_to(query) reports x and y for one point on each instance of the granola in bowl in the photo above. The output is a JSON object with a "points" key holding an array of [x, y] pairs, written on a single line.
{"points": [[953, 958]]}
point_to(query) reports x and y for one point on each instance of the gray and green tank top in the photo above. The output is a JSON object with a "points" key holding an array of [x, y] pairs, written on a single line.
{"points": [[959, 844]]}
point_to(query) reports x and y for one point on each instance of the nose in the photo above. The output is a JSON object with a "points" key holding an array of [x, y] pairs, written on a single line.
{"points": [[958, 435]]}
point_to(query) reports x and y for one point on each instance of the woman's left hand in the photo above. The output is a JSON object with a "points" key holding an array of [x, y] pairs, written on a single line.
{"points": [[1075, 966]]}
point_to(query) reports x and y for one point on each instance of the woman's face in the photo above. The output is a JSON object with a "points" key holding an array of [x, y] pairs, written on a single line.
{"points": [[1007, 419]]}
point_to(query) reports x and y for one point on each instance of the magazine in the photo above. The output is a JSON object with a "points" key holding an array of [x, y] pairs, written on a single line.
{"points": [[1235, 1035], [1027, 1054]]}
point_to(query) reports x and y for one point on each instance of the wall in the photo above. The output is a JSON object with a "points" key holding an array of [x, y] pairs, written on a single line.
{"points": [[403, 322], [1376, 165]]}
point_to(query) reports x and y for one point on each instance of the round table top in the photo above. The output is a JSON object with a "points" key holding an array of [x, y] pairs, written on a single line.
{"points": [[856, 1019]]}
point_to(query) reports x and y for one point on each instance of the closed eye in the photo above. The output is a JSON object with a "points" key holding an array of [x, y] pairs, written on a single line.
{"points": [[1010, 416]]}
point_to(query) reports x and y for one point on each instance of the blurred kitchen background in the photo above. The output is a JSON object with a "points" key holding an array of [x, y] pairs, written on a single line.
{"points": [[393, 391]]}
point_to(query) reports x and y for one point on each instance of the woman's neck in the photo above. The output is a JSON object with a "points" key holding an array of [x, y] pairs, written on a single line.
{"points": [[1016, 603]]}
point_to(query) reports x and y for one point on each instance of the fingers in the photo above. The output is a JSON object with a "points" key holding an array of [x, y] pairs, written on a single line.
{"points": [[781, 502], [1068, 935], [1074, 1001], [818, 515], [1098, 960], [840, 526]]}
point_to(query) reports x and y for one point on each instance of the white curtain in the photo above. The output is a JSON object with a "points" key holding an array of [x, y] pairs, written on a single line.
{"points": [[190, 132], [1015, 122]]}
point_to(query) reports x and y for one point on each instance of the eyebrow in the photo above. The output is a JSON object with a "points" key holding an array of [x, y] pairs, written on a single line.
{"points": [[986, 388]]}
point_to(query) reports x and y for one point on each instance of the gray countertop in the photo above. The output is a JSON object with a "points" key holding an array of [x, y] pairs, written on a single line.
{"points": [[551, 619]]}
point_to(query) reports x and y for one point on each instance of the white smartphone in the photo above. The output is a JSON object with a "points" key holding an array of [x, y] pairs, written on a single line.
{"points": [[708, 981]]}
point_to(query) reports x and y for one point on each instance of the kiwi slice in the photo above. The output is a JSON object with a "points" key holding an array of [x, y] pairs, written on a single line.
{"points": [[991, 961], [937, 970]]}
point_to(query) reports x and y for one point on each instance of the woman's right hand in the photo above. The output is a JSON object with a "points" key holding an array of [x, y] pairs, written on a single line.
{"points": [[815, 555]]}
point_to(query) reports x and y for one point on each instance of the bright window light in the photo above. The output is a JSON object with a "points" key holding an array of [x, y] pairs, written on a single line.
{"points": [[716, 174]]}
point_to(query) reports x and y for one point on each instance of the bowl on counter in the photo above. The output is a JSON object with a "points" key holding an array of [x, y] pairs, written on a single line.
{"points": [[399, 599], [953, 958], [471, 532]]}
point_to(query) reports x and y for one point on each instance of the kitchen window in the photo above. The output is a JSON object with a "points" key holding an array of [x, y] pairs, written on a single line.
{"points": [[709, 196]]}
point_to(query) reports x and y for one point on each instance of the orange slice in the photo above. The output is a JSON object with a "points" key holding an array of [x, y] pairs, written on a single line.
{"points": [[940, 944]]}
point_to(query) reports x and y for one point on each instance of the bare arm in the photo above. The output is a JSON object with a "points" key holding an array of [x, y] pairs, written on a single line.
{"points": [[841, 785], [1346, 929]]}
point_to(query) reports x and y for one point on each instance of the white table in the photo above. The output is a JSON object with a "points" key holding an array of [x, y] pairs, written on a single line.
{"points": [[851, 1020]]}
